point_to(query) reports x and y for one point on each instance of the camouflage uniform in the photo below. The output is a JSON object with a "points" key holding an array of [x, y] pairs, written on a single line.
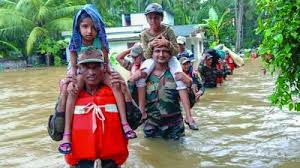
{"points": [[163, 108], [209, 76], [197, 81]]}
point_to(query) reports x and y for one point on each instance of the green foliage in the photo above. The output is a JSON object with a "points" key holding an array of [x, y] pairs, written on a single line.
{"points": [[251, 39], [53, 48], [26, 22], [214, 24], [112, 58], [279, 24], [9, 51]]}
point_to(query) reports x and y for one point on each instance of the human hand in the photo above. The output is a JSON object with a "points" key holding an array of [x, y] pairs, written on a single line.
{"points": [[72, 72], [198, 95], [138, 74], [72, 88], [115, 77], [163, 41], [63, 84], [160, 41]]}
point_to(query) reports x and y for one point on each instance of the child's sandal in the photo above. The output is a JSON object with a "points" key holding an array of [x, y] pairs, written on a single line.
{"points": [[129, 133], [65, 148]]}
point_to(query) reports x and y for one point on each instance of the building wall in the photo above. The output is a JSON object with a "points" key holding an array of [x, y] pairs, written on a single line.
{"points": [[195, 44]]}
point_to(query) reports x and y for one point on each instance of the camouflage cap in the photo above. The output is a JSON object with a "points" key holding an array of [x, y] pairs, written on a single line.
{"points": [[154, 8], [90, 55], [136, 50]]}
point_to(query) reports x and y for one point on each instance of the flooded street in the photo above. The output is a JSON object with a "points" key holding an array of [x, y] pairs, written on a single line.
{"points": [[238, 127]]}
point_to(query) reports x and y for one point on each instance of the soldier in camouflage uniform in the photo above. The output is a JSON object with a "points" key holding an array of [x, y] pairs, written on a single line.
{"points": [[209, 72], [162, 100]]}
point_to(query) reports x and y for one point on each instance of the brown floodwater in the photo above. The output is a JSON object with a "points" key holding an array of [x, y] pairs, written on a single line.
{"points": [[238, 127]]}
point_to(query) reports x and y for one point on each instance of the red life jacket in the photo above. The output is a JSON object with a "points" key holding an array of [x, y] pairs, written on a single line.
{"points": [[96, 129]]}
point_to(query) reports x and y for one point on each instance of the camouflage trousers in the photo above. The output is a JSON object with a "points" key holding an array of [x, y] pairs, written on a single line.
{"points": [[172, 128]]}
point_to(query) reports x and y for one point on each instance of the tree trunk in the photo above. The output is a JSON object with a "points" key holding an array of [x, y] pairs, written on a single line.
{"points": [[239, 13]]}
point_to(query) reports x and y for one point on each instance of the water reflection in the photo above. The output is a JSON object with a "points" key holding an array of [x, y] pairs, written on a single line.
{"points": [[238, 128]]}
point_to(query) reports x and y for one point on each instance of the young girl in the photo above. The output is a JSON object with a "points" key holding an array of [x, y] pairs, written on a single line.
{"points": [[159, 35], [88, 30]]}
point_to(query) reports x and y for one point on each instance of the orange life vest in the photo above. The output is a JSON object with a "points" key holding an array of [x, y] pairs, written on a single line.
{"points": [[96, 129]]}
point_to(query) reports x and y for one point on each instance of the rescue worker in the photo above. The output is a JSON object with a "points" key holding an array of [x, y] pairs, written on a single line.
{"points": [[197, 85], [162, 99], [96, 127], [208, 72]]}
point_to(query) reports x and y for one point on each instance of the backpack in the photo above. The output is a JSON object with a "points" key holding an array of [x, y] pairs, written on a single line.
{"points": [[56, 125]]}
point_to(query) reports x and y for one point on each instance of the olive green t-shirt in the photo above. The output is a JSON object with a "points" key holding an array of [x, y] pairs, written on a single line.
{"points": [[167, 32]]}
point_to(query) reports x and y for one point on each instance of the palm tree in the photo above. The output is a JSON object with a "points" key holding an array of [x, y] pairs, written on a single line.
{"points": [[26, 22]]}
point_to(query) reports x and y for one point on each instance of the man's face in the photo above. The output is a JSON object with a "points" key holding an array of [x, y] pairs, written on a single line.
{"points": [[186, 66], [181, 47], [154, 20], [87, 30], [161, 54], [93, 73]]}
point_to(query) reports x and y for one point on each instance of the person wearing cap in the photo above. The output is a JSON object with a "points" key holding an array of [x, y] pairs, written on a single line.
{"points": [[164, 118], [182, 50], [88, 31], [197, 85], [208, 72], [158, 35], [131, 59], [65, 146], [96, 125]]}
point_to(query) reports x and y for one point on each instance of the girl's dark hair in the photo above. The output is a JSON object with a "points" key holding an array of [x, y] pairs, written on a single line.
{"points": [[82, 16]]}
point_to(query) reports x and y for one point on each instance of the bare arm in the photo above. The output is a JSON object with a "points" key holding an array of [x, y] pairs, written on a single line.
{"points": [[115, 77], [62, 98], [73, 61], [105, 55], [61, 103], [120, 57]]}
